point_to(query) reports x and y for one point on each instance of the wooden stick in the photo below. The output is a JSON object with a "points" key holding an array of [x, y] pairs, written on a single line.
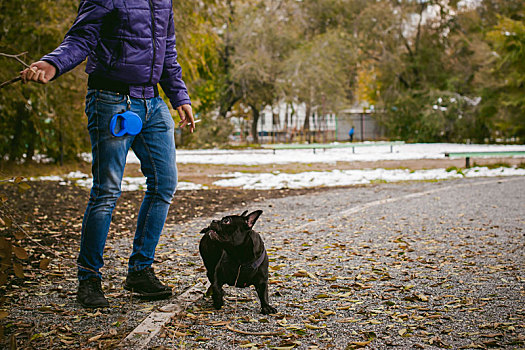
{"points": [[9, 82], [250, 333]]}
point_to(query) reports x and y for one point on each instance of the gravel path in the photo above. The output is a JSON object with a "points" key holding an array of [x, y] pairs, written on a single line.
{"points": [[433, 270], [423, 265]]}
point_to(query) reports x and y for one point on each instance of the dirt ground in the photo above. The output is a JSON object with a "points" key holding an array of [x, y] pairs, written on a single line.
{"points": [[45, 218]]}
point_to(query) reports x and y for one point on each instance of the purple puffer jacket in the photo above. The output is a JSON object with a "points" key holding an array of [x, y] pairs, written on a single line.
{"points": [[131, 41]]}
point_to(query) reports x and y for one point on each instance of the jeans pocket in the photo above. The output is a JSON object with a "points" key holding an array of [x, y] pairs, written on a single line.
{"points": [[166, 116], [110, 97], [101, 111]]}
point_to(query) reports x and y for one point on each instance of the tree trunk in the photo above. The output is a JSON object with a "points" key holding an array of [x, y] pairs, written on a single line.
{"points": [[276, 123], [228, 97], [306, 125], [255, 120]]}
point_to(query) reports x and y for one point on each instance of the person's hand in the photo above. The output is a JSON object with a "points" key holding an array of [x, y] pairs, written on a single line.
{"points": [[41, 72], [186, 117]]}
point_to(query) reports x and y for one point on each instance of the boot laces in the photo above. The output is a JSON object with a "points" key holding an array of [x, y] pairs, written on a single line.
{"points": [[94, 285], [150, 274]]}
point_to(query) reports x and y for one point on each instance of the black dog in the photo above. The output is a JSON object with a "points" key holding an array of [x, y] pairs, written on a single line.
{"points": [[234, 254]]}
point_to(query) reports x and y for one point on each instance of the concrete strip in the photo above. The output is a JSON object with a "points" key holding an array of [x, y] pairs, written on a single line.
{"points": [[140, 337]]}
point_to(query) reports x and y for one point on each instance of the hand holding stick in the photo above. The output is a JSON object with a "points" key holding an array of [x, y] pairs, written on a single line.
{"points": [[41, 72]]}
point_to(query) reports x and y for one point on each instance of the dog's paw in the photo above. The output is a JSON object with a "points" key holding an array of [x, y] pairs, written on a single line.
{"points": [[268, 309], [218, 301], [217, 304]]}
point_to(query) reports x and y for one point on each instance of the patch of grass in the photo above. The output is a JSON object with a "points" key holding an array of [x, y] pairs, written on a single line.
{"points": [[494, 165], [243, 146], [456, 169], [33, 169], [433, 180], [521, 165], [378, 181]]}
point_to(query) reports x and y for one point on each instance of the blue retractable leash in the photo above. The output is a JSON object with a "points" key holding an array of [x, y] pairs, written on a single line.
{"points": [[125, 122]]}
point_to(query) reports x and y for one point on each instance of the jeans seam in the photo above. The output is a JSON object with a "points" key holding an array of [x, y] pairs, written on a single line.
{"points": [[97, 169], [152, 202]]}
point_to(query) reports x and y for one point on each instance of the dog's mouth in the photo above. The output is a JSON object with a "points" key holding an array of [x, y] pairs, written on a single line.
{"points": [[214, 235]]}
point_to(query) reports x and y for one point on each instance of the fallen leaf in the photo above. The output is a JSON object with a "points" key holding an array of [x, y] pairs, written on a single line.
{"points": [[44, 263], [95, 338], [359, 344], [20, 253], [23, 186], [19, 270]]}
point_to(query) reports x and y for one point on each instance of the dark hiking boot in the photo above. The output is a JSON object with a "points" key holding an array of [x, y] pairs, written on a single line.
{"points": [[90, 293], [146, 284]]}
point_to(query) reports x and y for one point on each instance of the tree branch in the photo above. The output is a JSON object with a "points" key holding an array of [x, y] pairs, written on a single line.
{"points": [[17, 58]]}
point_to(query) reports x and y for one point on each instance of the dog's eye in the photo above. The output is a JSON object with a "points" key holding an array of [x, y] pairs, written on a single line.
{"points": [[226, 221]]}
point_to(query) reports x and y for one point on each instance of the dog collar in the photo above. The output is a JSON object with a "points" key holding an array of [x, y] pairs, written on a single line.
{"points": [[254, 265]]}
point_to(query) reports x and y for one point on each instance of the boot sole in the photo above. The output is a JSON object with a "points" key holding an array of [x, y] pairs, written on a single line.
{"points": [[159, 295], [91, 306]]}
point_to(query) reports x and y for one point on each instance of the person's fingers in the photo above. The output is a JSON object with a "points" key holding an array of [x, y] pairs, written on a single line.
{"points": [[38, 75], [23, 75], [183, 121], [45, 78], [42, 76], [33, 74], [29, 74], [186, 117], [189, 114]]}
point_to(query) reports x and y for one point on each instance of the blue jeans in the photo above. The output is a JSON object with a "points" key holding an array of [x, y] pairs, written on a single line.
{"points": [[155, 148]]}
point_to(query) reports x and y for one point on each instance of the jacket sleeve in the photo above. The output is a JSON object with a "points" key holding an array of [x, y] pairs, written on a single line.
{"points": [[82, 38], [171, 78]]}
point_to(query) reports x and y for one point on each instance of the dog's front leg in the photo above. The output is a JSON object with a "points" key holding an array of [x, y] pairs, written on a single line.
{"points": [[217, 293], [262, 292], [217, 297]]}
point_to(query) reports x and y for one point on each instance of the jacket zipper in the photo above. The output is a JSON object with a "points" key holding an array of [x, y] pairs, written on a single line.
{"points": [[152, 39]]}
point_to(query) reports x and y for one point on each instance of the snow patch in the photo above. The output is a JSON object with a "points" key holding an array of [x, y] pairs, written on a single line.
{"points": [[268, 181]]}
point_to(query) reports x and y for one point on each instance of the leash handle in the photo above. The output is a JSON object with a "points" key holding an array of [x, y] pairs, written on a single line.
{"points": [[124, 123]]}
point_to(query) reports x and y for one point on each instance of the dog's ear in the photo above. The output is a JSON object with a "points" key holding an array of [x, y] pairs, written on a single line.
{"points": [[204, 230], [244, 213], [252, 218]]}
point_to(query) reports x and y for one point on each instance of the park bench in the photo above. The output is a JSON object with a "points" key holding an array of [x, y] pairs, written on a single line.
{"points": [[325, 146], [468, 155]]}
